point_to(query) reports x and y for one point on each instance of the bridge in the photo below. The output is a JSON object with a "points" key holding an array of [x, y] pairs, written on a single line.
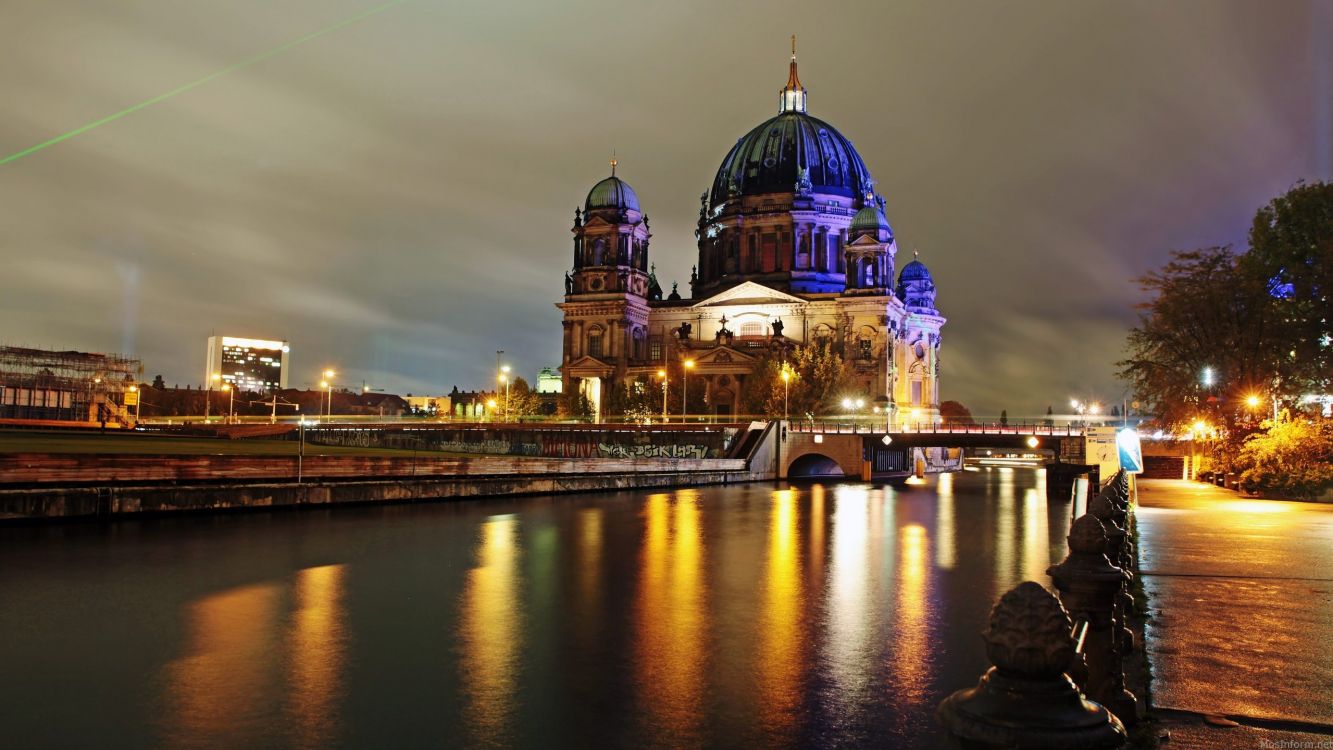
{"points": [[857, 449]]}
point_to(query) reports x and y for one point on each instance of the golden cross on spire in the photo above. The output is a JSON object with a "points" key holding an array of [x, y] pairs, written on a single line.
{"points": [[793, 46], [613, 162]]}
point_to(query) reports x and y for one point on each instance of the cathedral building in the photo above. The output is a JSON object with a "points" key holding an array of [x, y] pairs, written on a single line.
{"points": [[794, 249]]}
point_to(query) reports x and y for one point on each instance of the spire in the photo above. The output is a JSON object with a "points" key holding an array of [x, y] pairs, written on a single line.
{"points": [[792, 96], [613, 162]]}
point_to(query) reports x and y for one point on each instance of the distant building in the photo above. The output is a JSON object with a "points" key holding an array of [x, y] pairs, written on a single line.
{"points": [[254, 365], [39, 384], [548, 381], [428, 405], [469, 404]]}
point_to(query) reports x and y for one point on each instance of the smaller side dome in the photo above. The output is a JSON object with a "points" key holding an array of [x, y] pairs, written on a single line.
{"points": [[614, 193], [916, 288], [915, 271], [870, 220]]}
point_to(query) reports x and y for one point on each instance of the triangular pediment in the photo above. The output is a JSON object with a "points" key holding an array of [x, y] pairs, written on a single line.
{"points": [[749, 293], [724, 355], [586, 366]]}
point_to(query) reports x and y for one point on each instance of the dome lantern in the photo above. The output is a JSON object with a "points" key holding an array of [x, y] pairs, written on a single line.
{"points": [[792, 96]]}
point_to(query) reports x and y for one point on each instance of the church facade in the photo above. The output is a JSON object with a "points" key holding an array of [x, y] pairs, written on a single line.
{"points": [[794, 249]]}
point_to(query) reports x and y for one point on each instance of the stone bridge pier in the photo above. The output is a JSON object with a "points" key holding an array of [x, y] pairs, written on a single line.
{"points": [[822, 455]]}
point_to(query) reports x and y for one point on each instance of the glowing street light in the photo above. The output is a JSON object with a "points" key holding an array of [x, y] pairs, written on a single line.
{"points": [[231, 401], [663, 375], [786, 389], [686, 366], [1207, 377], [1033, 442], [505, 380], [208, 394], [138, 399], [1252, 401], [490, 406]]}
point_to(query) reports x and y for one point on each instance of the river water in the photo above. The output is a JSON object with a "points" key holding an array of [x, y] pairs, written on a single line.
{"points": [[822, 615]]}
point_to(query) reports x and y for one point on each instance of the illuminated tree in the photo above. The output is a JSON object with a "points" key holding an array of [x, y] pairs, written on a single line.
{"points": [[1292, 459]]}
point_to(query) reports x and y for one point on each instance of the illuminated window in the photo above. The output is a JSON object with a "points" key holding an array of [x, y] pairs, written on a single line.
{"points": [[916, 392], [752, 329], [655, 349]]}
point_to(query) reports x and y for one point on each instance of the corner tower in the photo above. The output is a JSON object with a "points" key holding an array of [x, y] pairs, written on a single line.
{"points": [[605, 307]]}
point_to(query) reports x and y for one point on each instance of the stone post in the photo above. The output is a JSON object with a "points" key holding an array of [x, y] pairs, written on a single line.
{"points": [[1026, 700], [1089, 584], [1116, 542]]}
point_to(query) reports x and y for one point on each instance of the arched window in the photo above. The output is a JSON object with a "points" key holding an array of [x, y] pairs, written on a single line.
{"points": [[868, 273], [598, 252], [752, 328], [640, 343]]}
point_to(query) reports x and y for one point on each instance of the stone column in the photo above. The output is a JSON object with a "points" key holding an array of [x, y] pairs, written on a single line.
{"points": [[1026, 700]]}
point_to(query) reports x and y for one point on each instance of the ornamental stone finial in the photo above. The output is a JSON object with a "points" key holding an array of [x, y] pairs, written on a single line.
{"points": [[1087, 536], [1026, 699], [1028, 634]]}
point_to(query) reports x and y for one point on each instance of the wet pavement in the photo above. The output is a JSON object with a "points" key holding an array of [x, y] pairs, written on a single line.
{"points": [[1241, 597]]}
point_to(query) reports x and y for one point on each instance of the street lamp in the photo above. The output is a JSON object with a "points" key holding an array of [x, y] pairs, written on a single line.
{"points": [[686, 366], [231, 401], [1252, 401], [138, 399], [208, 394], [504, 380], [327, 385], [786, 386], [490, 406], [663, 375]]}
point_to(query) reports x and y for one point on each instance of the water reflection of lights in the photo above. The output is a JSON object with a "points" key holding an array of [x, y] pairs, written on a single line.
{"points": [[912, 638], [848, 630], [1005, 522], [1036, 542], [779, 657], [671, 621], [944, 523], [916, 481], [216, 688], [492, 630], [318, 643]]}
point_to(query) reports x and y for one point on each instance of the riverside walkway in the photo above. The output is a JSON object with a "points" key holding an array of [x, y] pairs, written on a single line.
{"points": [[1241, 599]]}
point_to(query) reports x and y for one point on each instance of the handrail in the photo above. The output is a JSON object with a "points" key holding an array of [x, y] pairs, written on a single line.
{"points": [[1079, 634]]}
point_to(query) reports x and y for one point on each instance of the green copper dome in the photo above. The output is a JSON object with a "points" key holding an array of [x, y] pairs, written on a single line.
{"points": [[612, 192], [870, 220]]}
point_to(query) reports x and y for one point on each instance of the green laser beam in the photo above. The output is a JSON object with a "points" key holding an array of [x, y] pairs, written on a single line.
{"points": [[195, 84]]}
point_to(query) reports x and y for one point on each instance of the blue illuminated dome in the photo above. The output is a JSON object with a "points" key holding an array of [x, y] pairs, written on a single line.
{"points": [[614, 193], [916, 288], [915, 271], [769, 159]]}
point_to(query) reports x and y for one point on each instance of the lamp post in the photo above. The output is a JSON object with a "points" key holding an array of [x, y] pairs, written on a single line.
{"points": [[231, 401], [685, 368], [504, 380], [786, 391], [327, 385], [663, 375], [490, 406], [208, 394]]}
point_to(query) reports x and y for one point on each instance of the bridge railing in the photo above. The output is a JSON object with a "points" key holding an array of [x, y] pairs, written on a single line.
{"points": [[871, 426]]}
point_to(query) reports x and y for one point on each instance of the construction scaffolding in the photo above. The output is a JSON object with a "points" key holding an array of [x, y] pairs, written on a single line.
{"points": [[38, 384]]}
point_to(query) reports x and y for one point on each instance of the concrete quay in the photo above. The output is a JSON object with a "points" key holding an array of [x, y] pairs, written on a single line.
{"points": [[1240, 592], [106, 487]]}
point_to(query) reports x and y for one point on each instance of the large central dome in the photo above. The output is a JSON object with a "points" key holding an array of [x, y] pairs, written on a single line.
{"points": [[769, 159]]}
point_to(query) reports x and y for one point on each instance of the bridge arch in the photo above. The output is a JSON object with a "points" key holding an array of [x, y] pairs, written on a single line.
{"points": [[814, 465]]}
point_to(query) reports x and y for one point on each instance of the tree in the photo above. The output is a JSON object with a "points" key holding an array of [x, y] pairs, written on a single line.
{"points": [[1004, 417], [1203, 341], [1291, 251], [954, 413], [1221, 327], [818, 380], [1292, 459], [519, 400], [573, 404]]}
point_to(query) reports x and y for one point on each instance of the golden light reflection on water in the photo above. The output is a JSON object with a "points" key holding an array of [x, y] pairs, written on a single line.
{"points": [[671, 619], [1036, 537], [911, 640], [317, 643], [847, 643], [1005, 522], [491, 629], [945, 552], [590, 556], [817, 535], [780, 659], [217, 691]]}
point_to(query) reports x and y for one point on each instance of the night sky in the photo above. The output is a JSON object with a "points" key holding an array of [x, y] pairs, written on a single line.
{"points": [[395, 196]]}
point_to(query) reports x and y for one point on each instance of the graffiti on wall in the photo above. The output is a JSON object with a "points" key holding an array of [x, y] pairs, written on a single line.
{"points": [[616, 450]]}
